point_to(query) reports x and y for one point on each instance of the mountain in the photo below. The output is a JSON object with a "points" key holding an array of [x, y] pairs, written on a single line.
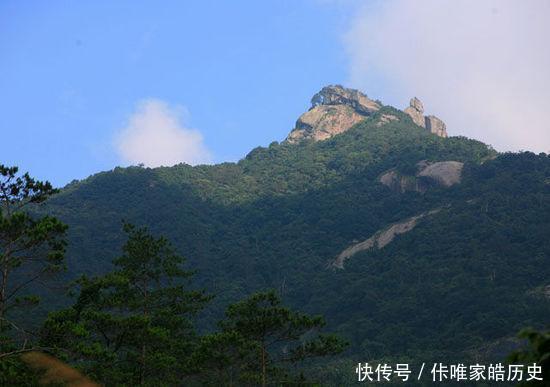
{"points": [[412, 244]]}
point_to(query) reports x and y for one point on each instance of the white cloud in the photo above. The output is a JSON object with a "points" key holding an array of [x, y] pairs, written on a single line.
{"points": [[482, 66], [156, 137]]}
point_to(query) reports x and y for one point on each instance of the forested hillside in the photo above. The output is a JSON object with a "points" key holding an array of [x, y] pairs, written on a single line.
{"points": [[458, 285]]}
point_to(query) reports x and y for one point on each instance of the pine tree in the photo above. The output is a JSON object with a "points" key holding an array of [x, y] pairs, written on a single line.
{"points": [[31, 252], [132, 326], [261, 340]]}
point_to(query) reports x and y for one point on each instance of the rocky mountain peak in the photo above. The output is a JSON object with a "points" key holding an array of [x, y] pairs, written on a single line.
{"points": [[339, 95], [333, 110]]}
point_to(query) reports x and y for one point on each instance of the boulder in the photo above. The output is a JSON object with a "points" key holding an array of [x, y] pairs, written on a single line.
{"points": [[445, 173]]}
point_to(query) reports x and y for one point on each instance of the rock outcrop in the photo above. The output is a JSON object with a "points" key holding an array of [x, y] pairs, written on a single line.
{"points": [[441, 173], [381, 238], [436, 126], [445, 173], [333, 110], [339, 95], [432, 123], [324, 121], [416, 112]]}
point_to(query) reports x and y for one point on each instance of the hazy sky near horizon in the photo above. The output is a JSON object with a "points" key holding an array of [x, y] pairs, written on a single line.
{"points": [[87, 86]]}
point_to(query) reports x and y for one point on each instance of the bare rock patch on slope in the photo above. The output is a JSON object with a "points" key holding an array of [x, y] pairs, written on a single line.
{"points": [[381, 238], [446, 173]]}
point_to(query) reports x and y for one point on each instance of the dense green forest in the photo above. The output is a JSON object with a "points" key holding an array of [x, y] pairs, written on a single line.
{"points": [[457, 287], [134, 325]]}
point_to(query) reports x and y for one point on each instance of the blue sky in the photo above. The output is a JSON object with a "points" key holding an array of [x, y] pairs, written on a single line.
{"points": [[72, 73], [231, 75]]}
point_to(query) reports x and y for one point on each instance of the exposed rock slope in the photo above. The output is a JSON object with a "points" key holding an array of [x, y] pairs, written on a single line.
{"points": [[324, 121], [446, 173], [380, 238]]}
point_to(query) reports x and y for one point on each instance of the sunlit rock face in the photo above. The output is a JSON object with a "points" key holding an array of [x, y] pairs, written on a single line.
{"points": [[444, 173], [415, 110], [333, 110], [436, 126]]}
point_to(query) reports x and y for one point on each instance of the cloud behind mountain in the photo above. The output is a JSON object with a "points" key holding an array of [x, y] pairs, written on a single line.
{"points": [[156, 136], [480, 65]]}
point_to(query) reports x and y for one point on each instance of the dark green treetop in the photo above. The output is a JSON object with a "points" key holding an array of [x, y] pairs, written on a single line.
{"points": [[132, 326], [31, 250], [261, 340]]}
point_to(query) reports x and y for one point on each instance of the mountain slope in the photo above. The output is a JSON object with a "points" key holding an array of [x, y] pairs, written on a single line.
{"points": [[467, 275]]}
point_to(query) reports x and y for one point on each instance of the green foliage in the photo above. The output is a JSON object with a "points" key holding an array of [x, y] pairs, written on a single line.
{"points": [[31, 251], [260, 340], [538, 353], [15, 373], [224, 359], [133, 325]]}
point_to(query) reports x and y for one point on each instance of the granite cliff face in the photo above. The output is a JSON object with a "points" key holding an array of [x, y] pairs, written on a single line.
{"points": [[436, 126], [432, 123], [416, 112], [324, 121], [335, 109]]}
